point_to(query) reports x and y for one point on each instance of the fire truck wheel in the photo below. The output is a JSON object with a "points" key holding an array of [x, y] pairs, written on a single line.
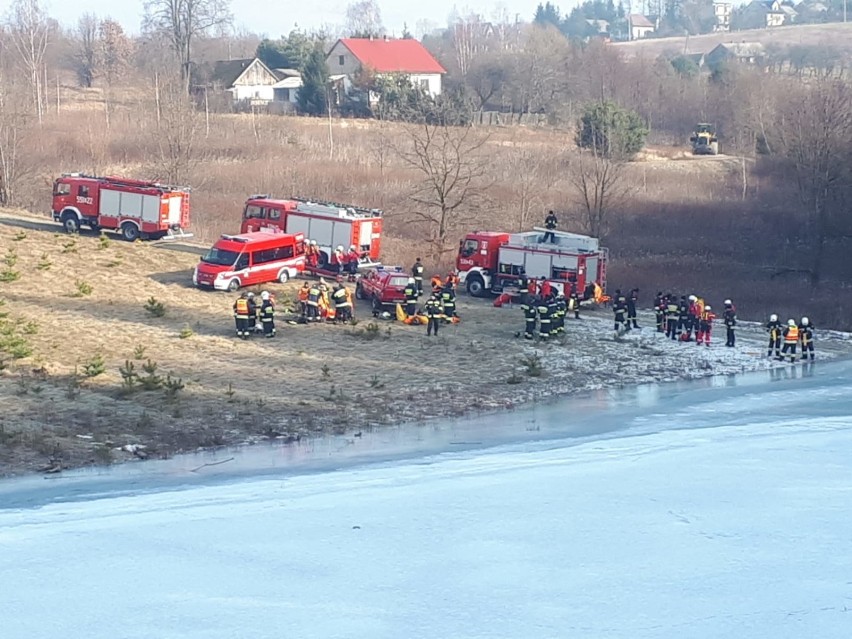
{"points": [[129, 232], [71, 223], [284, 276], [322, 260], [475, 286], [234, 285]]}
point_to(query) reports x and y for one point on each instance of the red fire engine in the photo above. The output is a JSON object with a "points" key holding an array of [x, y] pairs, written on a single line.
{"points": [[491, 262], [135, 208], [328, 224]]}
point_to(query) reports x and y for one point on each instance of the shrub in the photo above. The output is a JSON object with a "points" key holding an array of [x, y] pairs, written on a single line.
{"points": [[9, 274], [155, 308], [95, 366], [83, 288], [150, 381], [532, 364], [173, 386], [610, 130], [103, 242], [139, 352], [21, 235], [186, 332], [45, 263]]}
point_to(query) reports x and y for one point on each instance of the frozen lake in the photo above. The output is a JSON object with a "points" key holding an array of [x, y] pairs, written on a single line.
{"points": [[713, 509]]}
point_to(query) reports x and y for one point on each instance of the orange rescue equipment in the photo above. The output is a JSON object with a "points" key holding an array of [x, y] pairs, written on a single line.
{"points": [[792, 335]]}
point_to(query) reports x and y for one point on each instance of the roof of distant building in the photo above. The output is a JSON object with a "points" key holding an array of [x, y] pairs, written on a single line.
{"points": [[393, 56]]}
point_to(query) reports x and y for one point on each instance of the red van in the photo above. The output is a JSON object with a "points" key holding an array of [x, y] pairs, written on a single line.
{"points": [[250, 258]]}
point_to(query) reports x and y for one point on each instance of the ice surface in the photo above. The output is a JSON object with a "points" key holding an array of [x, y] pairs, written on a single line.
{"points": [[736, 531]]}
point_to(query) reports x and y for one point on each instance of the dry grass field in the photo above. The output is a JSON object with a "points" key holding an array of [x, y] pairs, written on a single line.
{"points": [[837, 36]]}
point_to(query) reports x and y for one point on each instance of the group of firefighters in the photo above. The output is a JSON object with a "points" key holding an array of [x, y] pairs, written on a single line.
{"points": [[342, 261], [439, 308], [319, 302], [247, 314], [545, 307]]}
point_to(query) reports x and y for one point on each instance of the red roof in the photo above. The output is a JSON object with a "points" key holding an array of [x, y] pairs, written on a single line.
{"points": [[393, 56]]}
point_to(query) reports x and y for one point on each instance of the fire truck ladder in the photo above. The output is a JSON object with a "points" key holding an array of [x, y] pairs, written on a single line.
{"points": [[605, 260], [360, 210]]}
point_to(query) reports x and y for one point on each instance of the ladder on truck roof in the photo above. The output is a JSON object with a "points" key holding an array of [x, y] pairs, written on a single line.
{"points": [[334, 208], [120, 181]]}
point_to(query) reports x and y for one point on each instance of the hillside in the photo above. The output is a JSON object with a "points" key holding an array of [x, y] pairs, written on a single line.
{"points": [[73, 316], [836, 36]]}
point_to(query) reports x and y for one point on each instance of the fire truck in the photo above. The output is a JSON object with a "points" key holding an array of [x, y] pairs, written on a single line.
{"points": [[135, 208], [491, 262], [327, 223]]}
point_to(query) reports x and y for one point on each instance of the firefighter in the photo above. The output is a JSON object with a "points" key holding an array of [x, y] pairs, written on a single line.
{"points": [[619, 309], [417, 273], [532, 288], [437, 284], [523, 283], [550, 223], [730, 317], [342, 305], [267, 314], [252, 318], [693, 313], [631, 308], [433, 314], [791, 339], [303, 299], [353, 257], [773, 327], [574, 302], [241, 315], [312, 255], [448, 299], [452, 280], [705, 326], [528, 306], [410, 293], [312, 304], [806, 333], [545, 288], [683, 321], [339, 259], [561, 306], [660, 311], [673, 309], [544, 319]]}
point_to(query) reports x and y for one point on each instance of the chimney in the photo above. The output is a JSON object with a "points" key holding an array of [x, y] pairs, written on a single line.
{"points": [[371, 37]]}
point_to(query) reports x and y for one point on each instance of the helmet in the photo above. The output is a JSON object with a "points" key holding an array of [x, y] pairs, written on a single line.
{"points": [[791, 322], [773, 318], [411, 280], [728, 302], [251, 296], [264, 295], [805, 321], [708, 308], [313, 242], [385, 315], [339, 247], [692, 298], [353, 247]]}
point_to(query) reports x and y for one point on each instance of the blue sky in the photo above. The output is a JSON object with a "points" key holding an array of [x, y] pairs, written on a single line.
{"points": [[263, 16]]}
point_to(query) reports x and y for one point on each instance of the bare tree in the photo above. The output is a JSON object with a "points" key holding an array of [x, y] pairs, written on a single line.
{"points": [[452, 167], [601, 188], [184, 21], [115, 50], [814, 135], [14, 121], [86, 57], [179, 126], [532, 175], [364, 19], [30, 31]]}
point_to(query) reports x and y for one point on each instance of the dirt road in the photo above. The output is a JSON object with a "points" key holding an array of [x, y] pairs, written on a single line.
{"points": [[75, 322]]}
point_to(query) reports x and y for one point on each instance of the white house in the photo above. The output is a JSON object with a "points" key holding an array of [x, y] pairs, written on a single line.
{"points": [[383, 56], [722, 12], [759, 14], [639, 26], [253, 82]]}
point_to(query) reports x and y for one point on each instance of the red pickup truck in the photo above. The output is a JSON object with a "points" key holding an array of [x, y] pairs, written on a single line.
{"points": [[384, 288]]}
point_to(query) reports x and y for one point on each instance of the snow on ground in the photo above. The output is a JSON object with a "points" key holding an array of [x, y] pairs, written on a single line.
{"points": [[737, 531]]}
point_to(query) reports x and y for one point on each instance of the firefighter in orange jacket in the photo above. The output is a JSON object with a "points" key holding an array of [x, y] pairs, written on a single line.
{"points": [[303, 299], [791, 339], [705, 326], [437, 284], [452, 280], [241, 316]]}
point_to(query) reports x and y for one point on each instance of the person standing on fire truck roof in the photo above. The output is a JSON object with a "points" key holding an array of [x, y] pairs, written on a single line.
{"points": [[550, 223]]}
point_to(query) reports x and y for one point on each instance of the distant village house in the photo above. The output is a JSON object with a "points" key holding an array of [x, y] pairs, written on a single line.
{"points": [[760, 14], [742, 52], [251, 82], [383, 56], [639, 26]]}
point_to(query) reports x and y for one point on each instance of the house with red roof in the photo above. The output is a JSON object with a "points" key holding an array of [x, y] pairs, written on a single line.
{"points": [[350, 56]]}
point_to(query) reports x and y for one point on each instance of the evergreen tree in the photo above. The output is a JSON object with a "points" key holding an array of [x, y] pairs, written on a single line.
{"points": [[611, 131], [547, 14], [312, 97]]}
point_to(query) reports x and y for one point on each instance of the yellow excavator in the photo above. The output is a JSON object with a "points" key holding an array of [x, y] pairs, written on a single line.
{"points": [[704, 140]]}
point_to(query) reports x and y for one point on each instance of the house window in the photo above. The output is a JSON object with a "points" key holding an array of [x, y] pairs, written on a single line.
{"points": [[424, 84], [340, 60]]}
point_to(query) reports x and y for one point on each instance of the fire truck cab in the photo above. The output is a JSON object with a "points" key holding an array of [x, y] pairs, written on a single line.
{"points": [[491, 262], [328, 224], [135, 208]]}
